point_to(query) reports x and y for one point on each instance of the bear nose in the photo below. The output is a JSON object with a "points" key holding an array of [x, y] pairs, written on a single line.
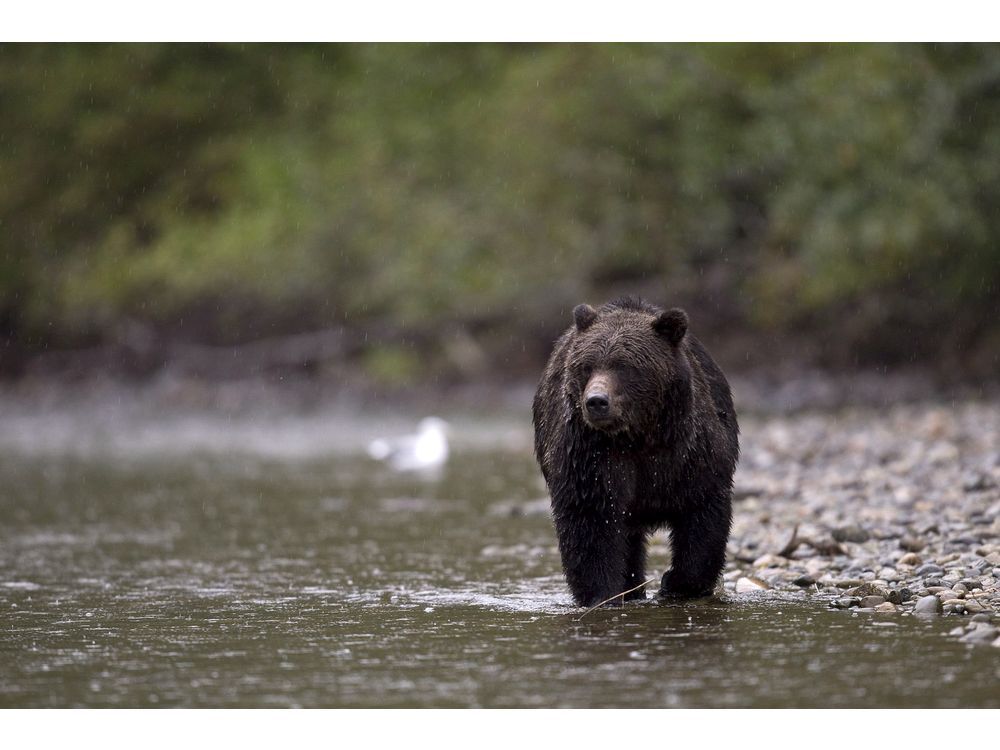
{"points": [[598, 405]]}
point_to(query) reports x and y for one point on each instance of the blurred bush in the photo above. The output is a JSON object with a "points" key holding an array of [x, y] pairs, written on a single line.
{"points": [[453, 202]]}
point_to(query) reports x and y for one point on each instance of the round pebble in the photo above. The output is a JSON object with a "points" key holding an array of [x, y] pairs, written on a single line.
{"points": [[928, 605]]}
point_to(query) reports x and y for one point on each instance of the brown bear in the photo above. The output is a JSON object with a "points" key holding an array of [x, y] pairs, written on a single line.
{"points": [[635, 430]]}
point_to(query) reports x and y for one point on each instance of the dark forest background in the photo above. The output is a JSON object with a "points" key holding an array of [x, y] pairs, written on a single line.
{"points": [[415, 212]]}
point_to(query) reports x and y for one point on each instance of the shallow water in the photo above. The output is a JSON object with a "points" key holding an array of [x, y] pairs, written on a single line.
{"points": [[239, 578]]}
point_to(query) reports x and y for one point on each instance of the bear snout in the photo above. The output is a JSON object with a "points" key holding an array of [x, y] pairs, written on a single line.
{"points": [[598, 405], [598, 400]]}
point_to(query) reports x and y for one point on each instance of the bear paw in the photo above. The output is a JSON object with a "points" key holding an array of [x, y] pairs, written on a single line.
{"points": [[675, 586]]}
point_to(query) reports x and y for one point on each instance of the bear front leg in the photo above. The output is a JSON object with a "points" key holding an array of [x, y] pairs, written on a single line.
{"points": [[593, 559], [698, 542], [635, 568]]}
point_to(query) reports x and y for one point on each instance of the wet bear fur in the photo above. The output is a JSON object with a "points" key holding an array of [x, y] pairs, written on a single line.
{"points": [[635, 430]]}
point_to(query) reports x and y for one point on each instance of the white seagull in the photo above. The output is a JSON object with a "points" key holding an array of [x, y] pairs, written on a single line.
{"points": [[425, 451]]}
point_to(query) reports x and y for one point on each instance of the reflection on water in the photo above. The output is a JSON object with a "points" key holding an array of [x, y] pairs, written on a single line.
{"points": [[228, 579]]}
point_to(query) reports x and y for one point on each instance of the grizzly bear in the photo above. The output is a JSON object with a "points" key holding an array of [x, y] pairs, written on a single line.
{"points": [[635, 430]]}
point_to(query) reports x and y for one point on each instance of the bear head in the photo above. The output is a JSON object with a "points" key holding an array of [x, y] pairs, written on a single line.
{"points": [[626, 364]]}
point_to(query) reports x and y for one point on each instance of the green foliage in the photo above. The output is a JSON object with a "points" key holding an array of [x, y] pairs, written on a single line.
{"points": [[844, 189], [391, 365]]}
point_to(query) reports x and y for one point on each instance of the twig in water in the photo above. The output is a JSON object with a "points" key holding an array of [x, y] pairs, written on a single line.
{"points": [[612, 598]]}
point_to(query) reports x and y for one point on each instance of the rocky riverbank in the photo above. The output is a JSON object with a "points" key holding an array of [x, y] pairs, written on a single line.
{"points": [[895, 511]]}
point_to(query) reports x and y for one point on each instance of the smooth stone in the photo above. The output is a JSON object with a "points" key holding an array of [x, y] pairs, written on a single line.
{"points": [[872, 601], [868, 589], [964, 541], [747, 585], [852, 533], [910, 558], [846, 602], [929, 569], [928, 605], [805, 581], [770, 561], [982, 633], [849, 583], [885, 607], [976, 481], [912, 544], [898, 596]]}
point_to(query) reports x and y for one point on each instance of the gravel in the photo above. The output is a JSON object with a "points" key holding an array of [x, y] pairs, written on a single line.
{"points": [[894, 510]]}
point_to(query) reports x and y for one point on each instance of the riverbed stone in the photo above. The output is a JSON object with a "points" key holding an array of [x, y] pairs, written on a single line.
{"points": [[749, 585], [849, 583], [912, 544], [981, 634], [976, 481], [846, 602], [907, 529], [867, 589], [928, 605], [851, 533], [894, 597], [770, 561]]}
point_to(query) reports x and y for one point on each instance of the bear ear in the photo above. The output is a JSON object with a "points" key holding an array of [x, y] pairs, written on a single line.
{"points": [[584, 315], [673, 324]]}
